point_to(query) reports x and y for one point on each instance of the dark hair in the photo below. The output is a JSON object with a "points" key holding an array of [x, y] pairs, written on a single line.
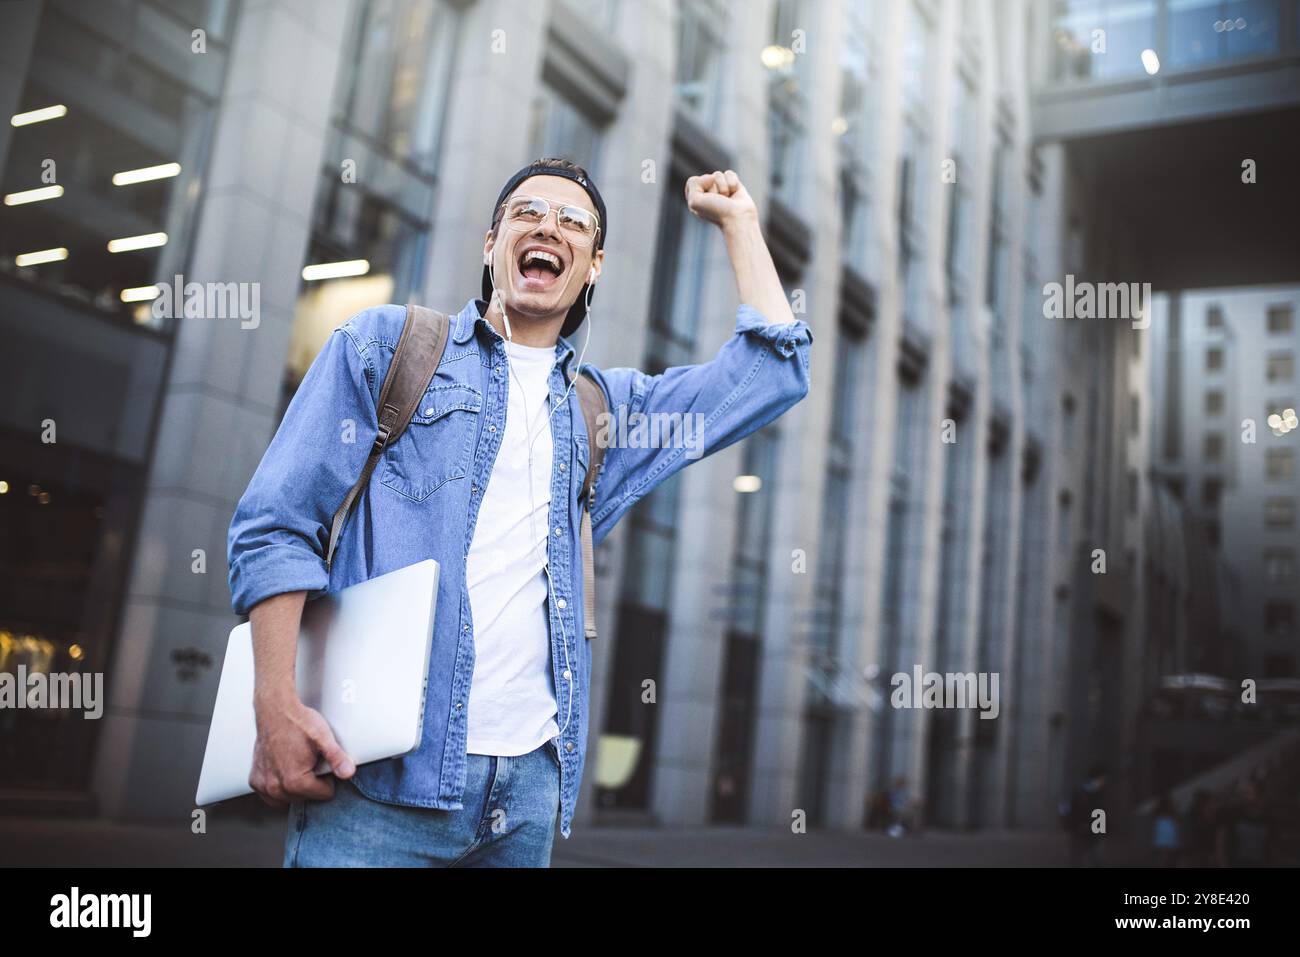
{"points": [[550, 162]]}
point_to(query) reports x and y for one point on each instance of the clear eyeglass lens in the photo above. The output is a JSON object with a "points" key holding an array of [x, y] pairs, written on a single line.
{"points": [[528, 210], [575, 220]]}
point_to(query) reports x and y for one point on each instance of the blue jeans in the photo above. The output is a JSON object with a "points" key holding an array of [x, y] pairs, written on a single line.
{"points": [[508, 820]]}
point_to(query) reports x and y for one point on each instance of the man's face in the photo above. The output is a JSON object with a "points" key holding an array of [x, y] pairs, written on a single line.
{"points": [[539, 270]]}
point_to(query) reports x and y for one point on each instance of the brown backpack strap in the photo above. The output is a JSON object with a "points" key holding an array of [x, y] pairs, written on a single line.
{"points": [[416, 358], [592, 399]]}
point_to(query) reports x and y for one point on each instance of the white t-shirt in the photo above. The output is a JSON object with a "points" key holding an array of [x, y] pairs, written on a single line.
{"points": [[512, 707]]}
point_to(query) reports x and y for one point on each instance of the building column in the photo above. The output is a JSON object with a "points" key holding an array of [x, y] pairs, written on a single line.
{"points": [[484, 140], [620, 313], [219, 406], [851, 759]]}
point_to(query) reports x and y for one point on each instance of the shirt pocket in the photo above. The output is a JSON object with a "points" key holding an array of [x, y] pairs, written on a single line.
{"points": [[437, 445]]}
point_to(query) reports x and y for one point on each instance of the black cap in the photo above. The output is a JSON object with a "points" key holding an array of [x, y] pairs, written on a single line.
{"points": [[578, 311]]}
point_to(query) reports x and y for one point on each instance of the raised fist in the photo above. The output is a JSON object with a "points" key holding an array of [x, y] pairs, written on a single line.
{"points": [[720, 198]]}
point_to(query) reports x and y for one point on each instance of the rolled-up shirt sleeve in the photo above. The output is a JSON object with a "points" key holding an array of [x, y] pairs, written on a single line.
{"points": [[280, 530], [758, 374]]}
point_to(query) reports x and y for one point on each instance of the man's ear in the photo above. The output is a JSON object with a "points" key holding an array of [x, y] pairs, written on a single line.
{"points": [[489, 241]]}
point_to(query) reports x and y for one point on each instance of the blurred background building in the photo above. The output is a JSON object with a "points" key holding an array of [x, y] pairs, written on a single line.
{"points": [[1224, 389], [1034, 497]]}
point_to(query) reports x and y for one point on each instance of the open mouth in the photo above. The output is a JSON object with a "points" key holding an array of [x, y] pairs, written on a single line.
{"points": [[539, 269]]}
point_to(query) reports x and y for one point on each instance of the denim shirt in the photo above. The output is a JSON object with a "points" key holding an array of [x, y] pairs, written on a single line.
{"points": [[423, 500]]}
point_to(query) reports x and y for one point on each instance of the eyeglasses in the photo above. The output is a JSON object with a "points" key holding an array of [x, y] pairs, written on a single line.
{"points": [[528, 212]]}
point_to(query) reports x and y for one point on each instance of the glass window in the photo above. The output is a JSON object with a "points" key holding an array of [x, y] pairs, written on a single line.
{"points": [[998, 262], [1279, 565], [1068, 422], [753, 531], [651, 548], [1065, 525], [679, 279], [1211, 492], [1031, 298], [906, 178], [854, 126], [1130, 27], [1214, 358], [855, 216], [956, 509], [787, 98], [901, 533], [1279, 619], [129, 107], [848, 385], [993, 578], [391, 96], [1213, 446], [1280, 367], [701, 49], [561, 128], [1214, 317], [1281, 319], [1280, 464], [918, 53], [1279, 512], [374, 203], [916, 172], [737, 707], [1202, 31], [964, 122], [1214, 402], [1127, 27]]}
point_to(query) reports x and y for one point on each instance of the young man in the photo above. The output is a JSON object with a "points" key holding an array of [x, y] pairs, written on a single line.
{"points": [[486, 479]]}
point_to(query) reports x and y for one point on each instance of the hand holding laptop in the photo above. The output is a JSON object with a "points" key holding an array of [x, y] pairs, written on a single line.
{"points": [[291, 737], [292, 740]]}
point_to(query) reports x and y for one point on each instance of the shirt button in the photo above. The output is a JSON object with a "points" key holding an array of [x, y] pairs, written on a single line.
{"points": [[459, 706], [492, 428], [567, 674], [464, 627], [562, 466], [562, 604], [473, 489], [428, 411], [557, 530], [568, 745]]}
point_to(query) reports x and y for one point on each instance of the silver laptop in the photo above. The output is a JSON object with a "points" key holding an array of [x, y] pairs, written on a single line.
{"points": [[363, 661]]}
